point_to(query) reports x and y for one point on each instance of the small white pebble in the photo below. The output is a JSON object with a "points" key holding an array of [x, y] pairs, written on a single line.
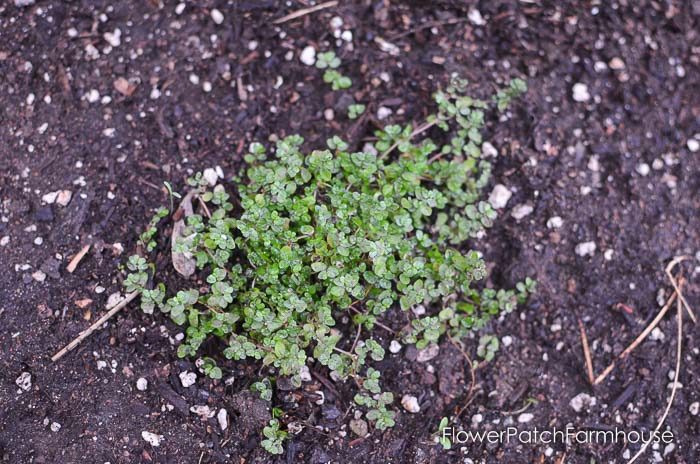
{"points": [[694, 408], [643, 169], [206, 86], [580, 92], [394, 346], [222, 418], [383, 112], [179, 8], [507, 340], [38, 241], [142, 384], [194, 79], [555, 222], [24, 381], [488, 150], [410, 403], [152, 438], [657, 334], [525, 417], [217, 16], [328, 114], [188, 378], [585, 248], [520, 211], [693, 145], [582, 400], [499, 196], [308, 56], [475, 17], [55, 427]]}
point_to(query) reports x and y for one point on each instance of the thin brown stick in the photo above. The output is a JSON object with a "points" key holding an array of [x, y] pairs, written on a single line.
{"points": [[470, 393], [640, 338], [77, 258], [586, 352], [304, 12], [420, 129], [679, 306], [674, 282], [86, 333]]}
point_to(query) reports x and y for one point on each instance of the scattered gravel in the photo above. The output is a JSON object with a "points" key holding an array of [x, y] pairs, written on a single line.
{"points": [[475, 17], [142, 384], [217, 16], [410, 403], [657, 335], [383, 112], [394, 347], [152, 438], [202, 411], [694, 408], [188, 378], [488, 150], [428, 353], [222, 418], [308, 56], [359, 427], [586, 249], [55, 427], [693, 145], [525, 417], [580, 92], [643, 169], [24, 381], [499, 196], [520, 211], [555, 222], [582, 400]]}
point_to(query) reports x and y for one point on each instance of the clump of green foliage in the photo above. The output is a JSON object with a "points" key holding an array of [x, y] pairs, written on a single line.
{"points": [[314, 236]]}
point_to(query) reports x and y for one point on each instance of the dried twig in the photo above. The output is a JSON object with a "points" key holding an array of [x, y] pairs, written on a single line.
{"points": [[86, 333], [677, 287], [586, 351], [77, 258], [470, 393], [679, 306], [304, 12]]}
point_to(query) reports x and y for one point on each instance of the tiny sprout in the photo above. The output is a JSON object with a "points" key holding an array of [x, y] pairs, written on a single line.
{"points": [[327, 60], [355, 110]]}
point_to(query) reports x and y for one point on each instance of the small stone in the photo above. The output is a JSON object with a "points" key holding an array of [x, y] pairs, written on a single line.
{"points": [[206, 86], [24, 381], [39, 276], [507, 340], [142, 384], [488, 150], [328, 114], [113, 38], [643, 169], [499, 196], [477, 419], [580, 92], [594, 163], [23, 3], [608, 255], [113, 300], [582, 400], [188, 378], [657, 334], [5, 240], [585, 248], [428, 353], [410, 403], [617, 64], [222, 418], [217, 16], [394, 347], [694, 408], [305, 374], [180, 8], [64, 197], [55, 427], [210, 176], [152, 438], [38, 241], [525, 417], [418, 310], [555, 222], [49, 198], [475, 17], [336, 22], [693, 145], [383, 112], [521, 211], [101, 364], [202, 411], [308, 56], [359, 427]]}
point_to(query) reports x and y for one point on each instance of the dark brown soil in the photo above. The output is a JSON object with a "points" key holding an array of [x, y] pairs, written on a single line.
{"points": [[643, 112]]}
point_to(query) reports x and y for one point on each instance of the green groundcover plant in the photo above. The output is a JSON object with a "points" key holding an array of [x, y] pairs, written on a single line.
{"points": [[313, 236]]}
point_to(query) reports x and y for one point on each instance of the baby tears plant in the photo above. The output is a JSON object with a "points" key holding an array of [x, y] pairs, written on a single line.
{"points": [[306, 258], [355, 110]]}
